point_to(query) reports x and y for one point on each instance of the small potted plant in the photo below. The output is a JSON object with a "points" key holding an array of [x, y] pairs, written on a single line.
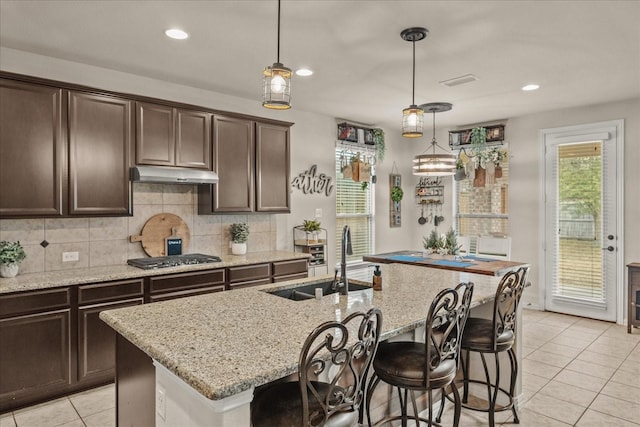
{"points": [[239, 235], [434, 243], [451, 245], [378, 139], [311, 226], [11, 255]]}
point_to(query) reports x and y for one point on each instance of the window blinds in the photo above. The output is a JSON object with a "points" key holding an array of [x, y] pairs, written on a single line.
{"points": [[575, 204], [354, 207]]}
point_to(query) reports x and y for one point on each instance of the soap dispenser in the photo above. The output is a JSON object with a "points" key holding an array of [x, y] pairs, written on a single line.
{"points": [[377, 279]]}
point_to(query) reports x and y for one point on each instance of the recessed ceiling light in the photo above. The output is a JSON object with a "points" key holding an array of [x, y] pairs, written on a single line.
{"points": [[304, 72], [531, 86], [176, 33]]}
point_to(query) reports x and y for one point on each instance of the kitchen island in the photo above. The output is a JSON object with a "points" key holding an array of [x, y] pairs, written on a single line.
{"points": [[468, 264], [203, 356]]}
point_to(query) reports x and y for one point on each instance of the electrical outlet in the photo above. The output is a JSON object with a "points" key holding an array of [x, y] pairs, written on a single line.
{"points": [[318, 213], [70, 256], [161, 402]]}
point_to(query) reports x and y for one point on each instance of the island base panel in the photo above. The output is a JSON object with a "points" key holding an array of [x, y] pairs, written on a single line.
{"points": [[135, 385]]}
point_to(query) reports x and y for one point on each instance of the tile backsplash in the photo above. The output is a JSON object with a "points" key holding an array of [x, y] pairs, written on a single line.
{"points": [[105, 241]]}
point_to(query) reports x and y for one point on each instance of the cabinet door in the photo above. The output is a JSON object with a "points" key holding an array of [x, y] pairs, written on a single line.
{"points": [[233, 161], [272, 168], [35, 357], [97, 342], [32, 150], [193, 139], [100, 134], [155, 134]]}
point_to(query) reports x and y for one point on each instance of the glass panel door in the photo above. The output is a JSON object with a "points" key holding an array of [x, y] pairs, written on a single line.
{"points": [[580, 222]]}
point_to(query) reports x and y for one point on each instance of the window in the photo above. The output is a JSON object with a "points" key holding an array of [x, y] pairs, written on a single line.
{"points": [[481, 205], [355, 208]]}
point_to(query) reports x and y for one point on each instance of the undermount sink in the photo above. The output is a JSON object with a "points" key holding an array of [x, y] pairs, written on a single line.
{"points": [[308, 291]]}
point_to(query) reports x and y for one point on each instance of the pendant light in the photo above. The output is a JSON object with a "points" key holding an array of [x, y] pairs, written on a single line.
{"points": [[276, 84], [413, 117], [435, 164]]}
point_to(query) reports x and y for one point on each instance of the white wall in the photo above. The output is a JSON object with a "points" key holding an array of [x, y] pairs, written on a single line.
{"points": [[524, 185]]}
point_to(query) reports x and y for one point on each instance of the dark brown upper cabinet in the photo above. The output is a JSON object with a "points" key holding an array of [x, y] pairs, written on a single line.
{"points": [[272, 168], [168, 136], [100, 136], [62, 152], [252, 163], [32, 150]]}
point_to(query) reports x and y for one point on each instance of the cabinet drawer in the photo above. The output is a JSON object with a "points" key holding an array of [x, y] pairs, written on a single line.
{"points": [[183, 281], [186, 293], [30, 302], [290, 277], [249, 272], [103, 292], [283, 268], [250, 283]]}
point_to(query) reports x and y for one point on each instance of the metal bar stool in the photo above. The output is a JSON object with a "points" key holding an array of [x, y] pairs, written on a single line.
{"points": [[494, 335], [427, 366], [332, 371]]}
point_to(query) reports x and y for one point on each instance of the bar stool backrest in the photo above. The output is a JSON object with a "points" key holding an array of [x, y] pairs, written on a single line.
{"points": [[334, 363], [505, 305], [447, 316]]}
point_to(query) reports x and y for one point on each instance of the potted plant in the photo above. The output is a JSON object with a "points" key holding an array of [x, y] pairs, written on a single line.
{"points": [[434, 243], [451, 245], [378, 139], [311, 226], [239, 235], [495, 155], [11, 255]]}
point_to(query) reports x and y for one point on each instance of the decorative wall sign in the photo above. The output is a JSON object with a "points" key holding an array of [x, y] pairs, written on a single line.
{"points": [[309, 183], [395, 197]]}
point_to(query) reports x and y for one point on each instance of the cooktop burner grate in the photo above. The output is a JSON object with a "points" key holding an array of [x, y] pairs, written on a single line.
{"points": [[172, 261]]}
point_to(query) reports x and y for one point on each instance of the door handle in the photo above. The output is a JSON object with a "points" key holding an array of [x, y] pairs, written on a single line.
{"points": [[609, 248]]}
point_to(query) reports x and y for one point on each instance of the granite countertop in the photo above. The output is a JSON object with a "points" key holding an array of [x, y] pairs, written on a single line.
{"points": [[227, 342], [54, 279]]}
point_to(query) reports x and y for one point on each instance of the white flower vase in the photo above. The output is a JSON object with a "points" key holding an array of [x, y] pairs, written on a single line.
{"points": [[9, 270], [238, 248]]}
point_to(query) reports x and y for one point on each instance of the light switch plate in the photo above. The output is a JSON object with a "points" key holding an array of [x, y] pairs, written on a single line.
{"points": [[318, 213]]}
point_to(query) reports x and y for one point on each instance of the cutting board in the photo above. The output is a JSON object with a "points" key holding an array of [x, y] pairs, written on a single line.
{"points": [[159, 227]]}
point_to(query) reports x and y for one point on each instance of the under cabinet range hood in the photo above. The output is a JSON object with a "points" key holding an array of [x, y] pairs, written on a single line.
{"points": [[172, 175]]}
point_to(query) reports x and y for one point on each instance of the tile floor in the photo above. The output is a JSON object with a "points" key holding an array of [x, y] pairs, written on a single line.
{"points": [[576, 372]]}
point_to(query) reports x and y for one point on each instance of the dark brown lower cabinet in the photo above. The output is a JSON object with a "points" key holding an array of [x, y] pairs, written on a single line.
{"points": [[97, 343], [36, 356]]}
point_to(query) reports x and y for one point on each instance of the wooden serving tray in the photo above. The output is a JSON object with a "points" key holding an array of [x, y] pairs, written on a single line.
{"points": [[157, 229]]}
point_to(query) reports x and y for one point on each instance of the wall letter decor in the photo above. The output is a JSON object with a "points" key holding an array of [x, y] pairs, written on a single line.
{"points": [[309, 183]]}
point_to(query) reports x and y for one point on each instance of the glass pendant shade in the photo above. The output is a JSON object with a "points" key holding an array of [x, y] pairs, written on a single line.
{"points": [[412, 122], [276, 83], [276, 86]]}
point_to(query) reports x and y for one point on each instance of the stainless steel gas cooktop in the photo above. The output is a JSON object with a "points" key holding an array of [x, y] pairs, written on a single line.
{"points": [[172, 261]]}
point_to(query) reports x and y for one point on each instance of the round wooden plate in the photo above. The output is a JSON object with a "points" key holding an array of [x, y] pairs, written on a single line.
{"points": [[159, 227]]}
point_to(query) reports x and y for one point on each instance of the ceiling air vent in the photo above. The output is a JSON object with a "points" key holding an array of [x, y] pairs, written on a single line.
{"points": [[457, 81]]}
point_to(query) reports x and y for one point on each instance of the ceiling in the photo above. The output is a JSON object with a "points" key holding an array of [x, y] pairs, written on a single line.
{"points": [[579, 52]]}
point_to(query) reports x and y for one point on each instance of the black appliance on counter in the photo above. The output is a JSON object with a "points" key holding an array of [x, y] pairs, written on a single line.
{"points": [[172, 261]]}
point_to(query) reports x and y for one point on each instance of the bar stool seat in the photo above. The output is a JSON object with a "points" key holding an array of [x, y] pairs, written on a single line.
{"points": [[332, 370], [478, 336], [282, 406], [402, 364]]}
